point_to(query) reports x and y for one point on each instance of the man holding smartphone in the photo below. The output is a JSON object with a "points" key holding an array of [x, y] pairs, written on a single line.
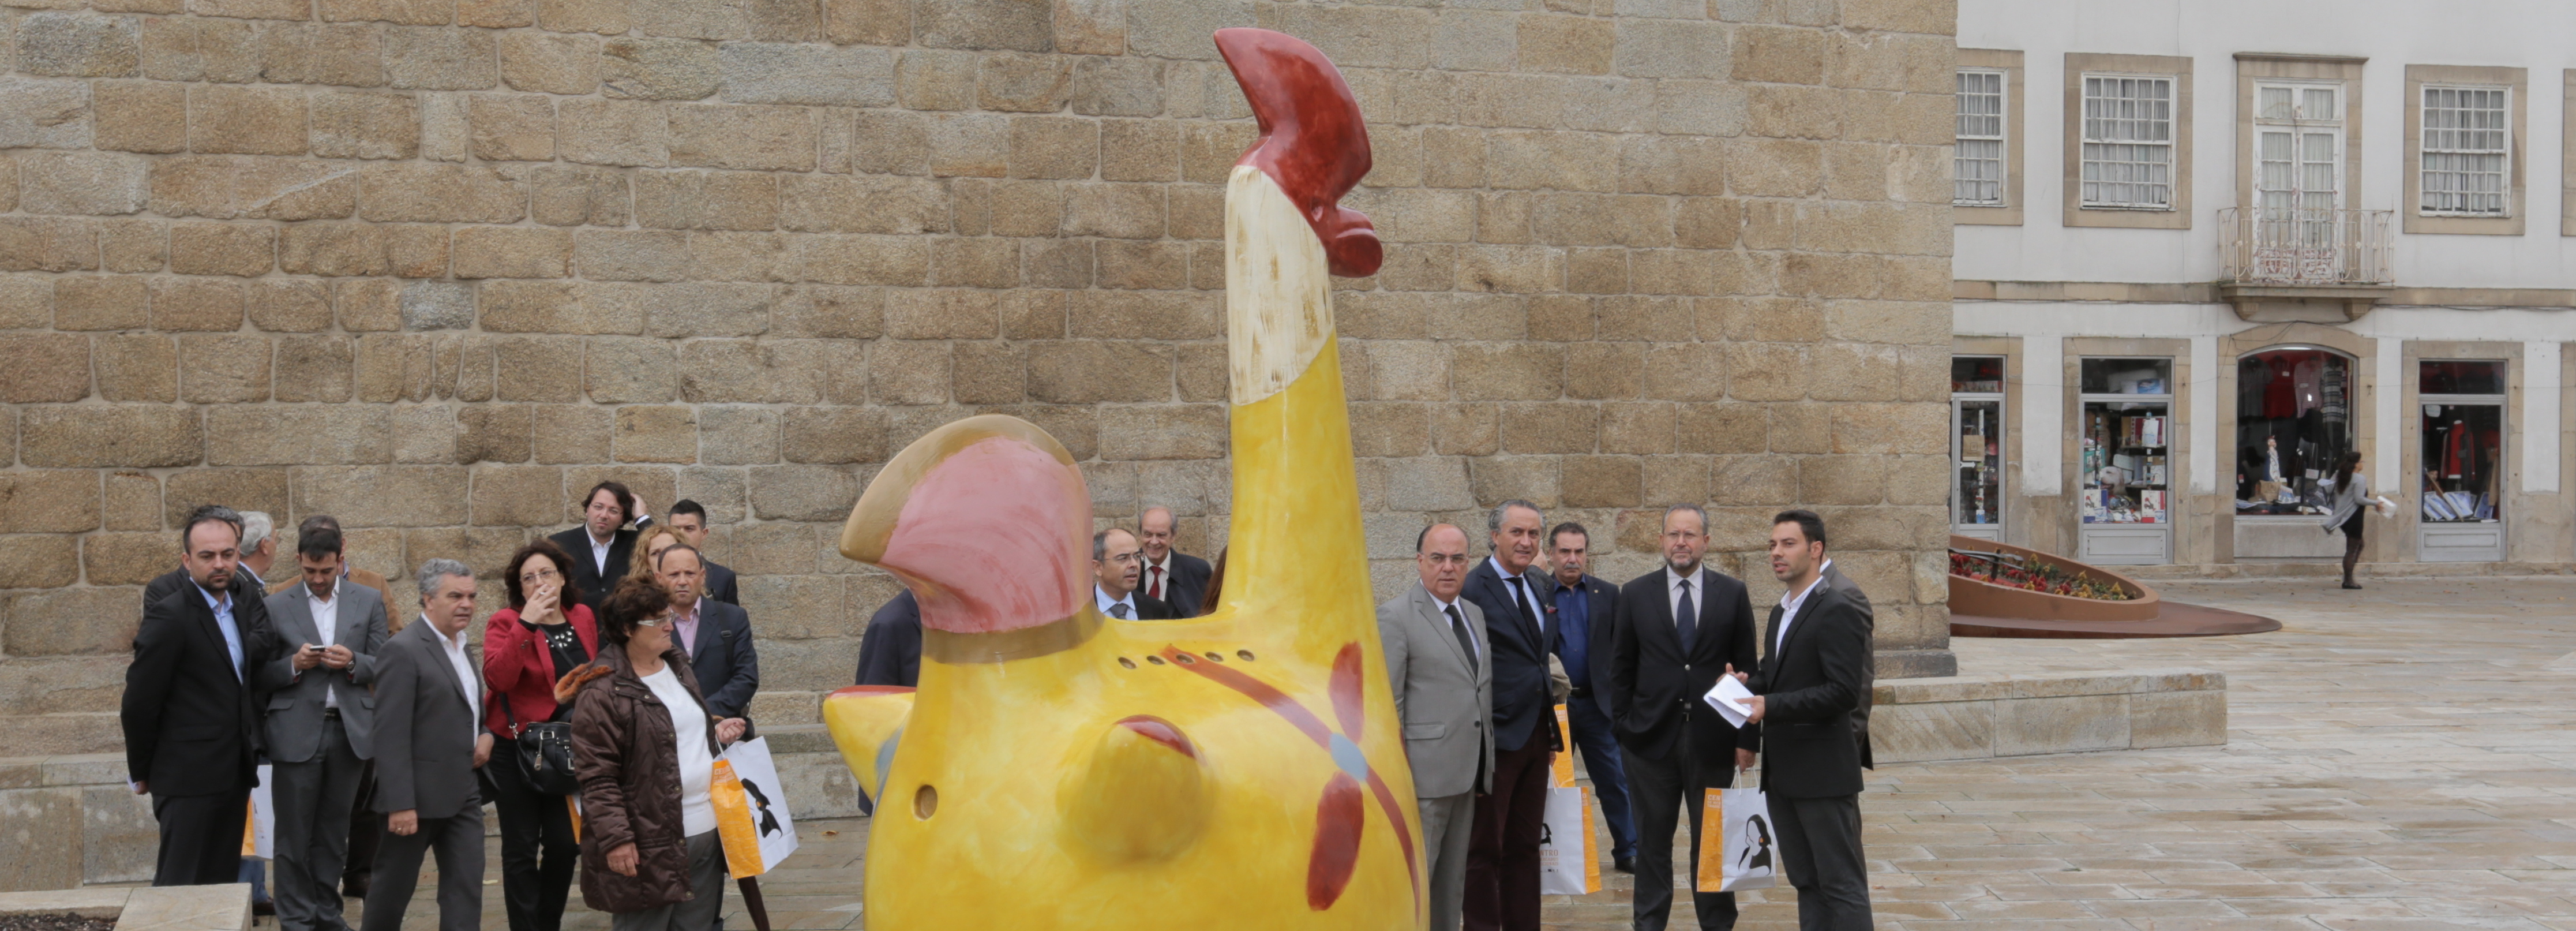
{"points": [[319, 739]]}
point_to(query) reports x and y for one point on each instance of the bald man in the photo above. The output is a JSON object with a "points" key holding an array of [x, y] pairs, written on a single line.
{"points": [[1168, 575]]}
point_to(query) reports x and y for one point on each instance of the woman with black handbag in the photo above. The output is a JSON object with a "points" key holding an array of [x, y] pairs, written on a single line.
{"points": [[545, 634]]}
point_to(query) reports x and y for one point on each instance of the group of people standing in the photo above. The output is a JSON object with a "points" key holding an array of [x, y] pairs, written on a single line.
{"points": [[1480, 653], [385, 732]]}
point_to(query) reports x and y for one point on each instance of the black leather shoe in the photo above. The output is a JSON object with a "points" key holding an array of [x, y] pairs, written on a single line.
{"points": [[263, 908], [1624, 864], [351, 890]]}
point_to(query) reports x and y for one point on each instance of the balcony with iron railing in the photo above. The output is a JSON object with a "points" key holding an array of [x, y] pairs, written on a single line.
{"points": [[2303, 264]]}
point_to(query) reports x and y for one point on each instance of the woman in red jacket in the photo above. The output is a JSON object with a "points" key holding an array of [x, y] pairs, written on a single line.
{"points": [[544, 634]]}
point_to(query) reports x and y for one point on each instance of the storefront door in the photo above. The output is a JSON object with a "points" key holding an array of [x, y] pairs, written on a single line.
{"points": [[2460, 477], [2293, 423], [1977, 456], [2125, 461]]}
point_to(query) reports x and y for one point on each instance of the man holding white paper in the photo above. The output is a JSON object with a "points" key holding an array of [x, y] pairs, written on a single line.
{"points": [[1680, 629], [1812, 679]]}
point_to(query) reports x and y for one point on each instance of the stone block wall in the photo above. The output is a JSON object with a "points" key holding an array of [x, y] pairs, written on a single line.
{"points": [[436, 266]]}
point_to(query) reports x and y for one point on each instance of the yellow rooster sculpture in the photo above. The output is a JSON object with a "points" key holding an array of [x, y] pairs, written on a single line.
{"points": [[1058, 769]]}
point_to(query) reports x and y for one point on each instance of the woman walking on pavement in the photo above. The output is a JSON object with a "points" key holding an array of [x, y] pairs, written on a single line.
{"points": [[2348, 485]]}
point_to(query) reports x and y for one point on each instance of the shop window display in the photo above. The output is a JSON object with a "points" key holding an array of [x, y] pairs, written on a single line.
{"points": [[1976, 411], [2127, 464], [2293, 418], [2463, 437]]}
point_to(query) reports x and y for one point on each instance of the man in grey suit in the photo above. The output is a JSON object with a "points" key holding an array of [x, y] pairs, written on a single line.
{"points": [[429, 739], [319, 721], [1444, 694]]}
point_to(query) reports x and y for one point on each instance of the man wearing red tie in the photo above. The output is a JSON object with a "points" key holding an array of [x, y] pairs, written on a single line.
{"points": [[1169, 576]]}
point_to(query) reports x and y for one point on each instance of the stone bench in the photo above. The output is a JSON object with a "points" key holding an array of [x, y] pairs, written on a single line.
{"points": [[144, 908], [2025, 714]]}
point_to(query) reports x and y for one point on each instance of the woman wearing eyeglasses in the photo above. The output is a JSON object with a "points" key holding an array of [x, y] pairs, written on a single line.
{"points": [[645, 747], [543, 635]]}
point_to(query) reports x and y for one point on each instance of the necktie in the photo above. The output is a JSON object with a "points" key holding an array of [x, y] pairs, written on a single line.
{"points": [[1118, 610], [1154, 582], [1686, 618], [1466, 641], [1521, 600]]}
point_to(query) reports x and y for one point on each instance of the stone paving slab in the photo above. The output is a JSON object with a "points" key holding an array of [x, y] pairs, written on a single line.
{"points": [[2399, 758]]}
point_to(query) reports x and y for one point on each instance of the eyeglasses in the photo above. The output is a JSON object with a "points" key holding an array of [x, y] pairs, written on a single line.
{"points": [[1437, 559], [653, 622], [540, 575]]}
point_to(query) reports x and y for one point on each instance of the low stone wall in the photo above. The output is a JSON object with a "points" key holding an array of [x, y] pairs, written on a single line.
{"points": [[1976, 717], [176, 908]]}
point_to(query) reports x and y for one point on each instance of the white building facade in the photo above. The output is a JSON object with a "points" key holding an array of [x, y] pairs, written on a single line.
{"points": [[2205, 248]]}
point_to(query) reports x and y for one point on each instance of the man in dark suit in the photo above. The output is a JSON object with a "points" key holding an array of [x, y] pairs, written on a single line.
{"points": [[1502, 857], [320, 721], [1811, 680], [689, 518], [1170, 576], [1587, 612], [1116, 561], [190, 714], [1680, 627], [429, 741], [890, 651], [258, 553], [1836, 580], [600, 551], [716, 635]]}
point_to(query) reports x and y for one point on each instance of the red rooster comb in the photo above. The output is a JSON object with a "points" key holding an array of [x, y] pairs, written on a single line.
{"points": [[1312, 142]]}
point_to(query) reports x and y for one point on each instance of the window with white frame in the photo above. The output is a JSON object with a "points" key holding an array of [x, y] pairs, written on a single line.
{"points": [[2298, 157], [2128, 142], [1978, 178], [2466, 143]]}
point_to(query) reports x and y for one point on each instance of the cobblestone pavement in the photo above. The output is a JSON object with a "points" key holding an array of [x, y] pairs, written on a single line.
{"points": [[2401, 757]]}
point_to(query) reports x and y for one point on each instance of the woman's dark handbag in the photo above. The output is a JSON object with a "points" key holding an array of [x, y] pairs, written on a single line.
{"points": [[544, 752]]}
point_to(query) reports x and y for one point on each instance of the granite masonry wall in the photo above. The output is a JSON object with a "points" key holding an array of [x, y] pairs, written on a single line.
{"points": [[435, 266]]}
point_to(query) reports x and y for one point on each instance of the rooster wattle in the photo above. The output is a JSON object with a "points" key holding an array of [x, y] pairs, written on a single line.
{"points": [[1058, 769]]}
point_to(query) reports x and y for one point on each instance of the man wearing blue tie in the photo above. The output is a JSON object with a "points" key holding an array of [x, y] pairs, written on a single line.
{"points": [[1116, 561]]}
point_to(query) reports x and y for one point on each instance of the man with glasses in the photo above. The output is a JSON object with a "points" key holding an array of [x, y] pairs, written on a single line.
{"points": [[1116, 562], [1680, 627]]}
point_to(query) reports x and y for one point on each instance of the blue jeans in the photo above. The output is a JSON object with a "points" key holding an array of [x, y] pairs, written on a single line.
{"points": [[1601, 761], [255, 872]]}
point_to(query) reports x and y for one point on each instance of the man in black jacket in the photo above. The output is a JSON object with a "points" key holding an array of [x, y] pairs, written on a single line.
{"points": [[1502, 854], [1680, 627], [1587, 612], [716, 635], [1116, 561], [689, 519], [600, 551], [890, 651], [191, 719], [1805, 693], [1170, 576]]}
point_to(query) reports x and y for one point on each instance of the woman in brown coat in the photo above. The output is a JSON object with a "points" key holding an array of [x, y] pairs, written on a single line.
{"points": [[645, 749]]}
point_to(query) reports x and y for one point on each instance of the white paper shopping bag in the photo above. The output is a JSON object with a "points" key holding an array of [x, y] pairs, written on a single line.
{"points": [[751, 810], [1746, 856], [1567, 866], [259, 828]]}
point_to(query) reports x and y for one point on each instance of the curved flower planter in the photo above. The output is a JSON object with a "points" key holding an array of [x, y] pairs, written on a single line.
{"points": [[1986, 599]]}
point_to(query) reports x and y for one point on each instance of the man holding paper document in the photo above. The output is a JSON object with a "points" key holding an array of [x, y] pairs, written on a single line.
{"points": [[1680, 629], [1811, 682]]}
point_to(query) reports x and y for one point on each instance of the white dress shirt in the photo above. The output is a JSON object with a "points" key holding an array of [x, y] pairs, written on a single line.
{"points": [[455, 647], [1521, 592], [1100, 597], [326, 624], [1790, 602], [599, 552]]}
